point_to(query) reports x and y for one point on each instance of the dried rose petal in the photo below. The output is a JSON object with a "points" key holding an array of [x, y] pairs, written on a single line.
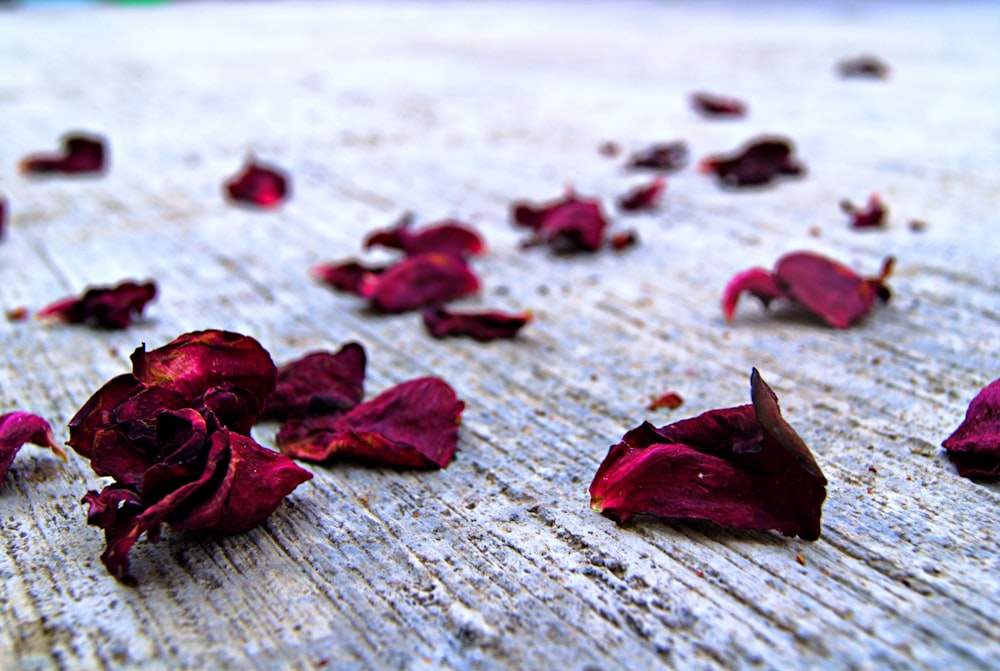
{"points": [[668, 157], [571, 224], [643, 197], [82, 154], [757, 163], [671, 400], [828, 289], [264, 186], [418, 282], [873, 216], [103, 307], [741, 467], [623, 240], [974, 447], [18, 428], [319, 383], [3, 216], [414, 424], [710, 105], [447, 237], [347, 276], [865, 66], [481, 326]]}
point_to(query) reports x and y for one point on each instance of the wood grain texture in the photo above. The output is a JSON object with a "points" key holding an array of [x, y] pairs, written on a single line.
{"points": [[455, 110]]}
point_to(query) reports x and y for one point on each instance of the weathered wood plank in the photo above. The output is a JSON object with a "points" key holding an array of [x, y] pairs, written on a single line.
{"points": [[453, 110]]}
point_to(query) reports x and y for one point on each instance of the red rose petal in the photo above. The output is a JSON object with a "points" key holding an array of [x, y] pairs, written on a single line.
{"points": [[82, 154], [671, 400], [757, 281], [418, 282], [347, 276], [873, 216], [974, 447], [18, 428], [446, 237], [571, 224], [644, 197], [715, 106], [667, 157], [757, 163], [414, 424], [319, 383], [623, 240], [741, 467], [481, 326], [111, 308], [260, 185], [3, 217]]}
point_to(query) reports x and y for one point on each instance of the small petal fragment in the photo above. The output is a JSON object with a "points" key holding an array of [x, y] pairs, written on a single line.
{"points": [[645, 197], [3, 217], [742, 467], [414, 425], [319, 383], [82, 154], [111, 308], [446, 237], [418, 282], [974, 447], [481, 326], [757, 163], [18, 428], [873, 216], [671, 400], [865, 67], [571, 224], [665, 157], [347, 276], [260, 185], [715, 106]]}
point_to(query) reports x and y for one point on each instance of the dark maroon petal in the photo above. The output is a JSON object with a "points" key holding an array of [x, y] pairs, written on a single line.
{"points": [[3, 217], [873, 216], [481, 326], [623, 240], [668, 157], [757, 163], [103, 307], [181, 451], [254, 482], [82, 154], [319, 383], [714, 106], [974, 447], [96, 413], [260, 185], [759, 282], [420, 281], [671, 400], [828, 289], [18, 428], [446, 237], [742, 467], [571, 224], [197, 362], [414, 424], [345, 276], [865, 66], [644, 197]]}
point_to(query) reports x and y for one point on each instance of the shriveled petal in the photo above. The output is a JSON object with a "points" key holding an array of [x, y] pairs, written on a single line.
{"points": [[646, 197], [3, 216], [420, 281], [18, 428], [665, 157], [743, 467], [347, 276], [414, 424], [260, 185], [96, 413], [974, 447], [319, 383], [103, 307], [757, 281], [872, 216], [757, 163], [82, 154], [482, 326], [829, 289], [716, 106], [446, 237], [572, 224]]}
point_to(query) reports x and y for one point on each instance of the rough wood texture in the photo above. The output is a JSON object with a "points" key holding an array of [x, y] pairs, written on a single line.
{"points": [[451, 110]]}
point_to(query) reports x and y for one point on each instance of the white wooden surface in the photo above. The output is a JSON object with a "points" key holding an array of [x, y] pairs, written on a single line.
{"points": [[455, 110]]}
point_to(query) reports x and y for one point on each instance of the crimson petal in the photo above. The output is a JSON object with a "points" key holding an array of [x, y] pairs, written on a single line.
{"points": [[571, 224], [715, 106], [974, 447], [447, 237], [347, 276], [482, 326], [757, 163], [260, 185], [666, 157], [872, 216], [741, 467], [82, 154], [319, 383], [18, 428], [104, 307], [414, 424], [3, 216], [418, 282], [643, 197]]}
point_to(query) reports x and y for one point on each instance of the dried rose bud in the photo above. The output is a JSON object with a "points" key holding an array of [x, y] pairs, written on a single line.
{"points": [[667, 157], [82, 154], [974, 447], [347, 276], [865, 66], [671, 401], [757, 163], [319, 383], [414, 425], [831, 291], [258, 184], [570, 224], [873, 216], [481, 326], [742, 467], [103, 307], [714, 106], [446, 237], [418, 282], [18, 428], [645, 197]]}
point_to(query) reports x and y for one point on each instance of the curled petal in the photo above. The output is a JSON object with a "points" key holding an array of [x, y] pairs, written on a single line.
{"points": [[260, 185], [873, 216], [319, 383], [98, 412], [446, 237], [414, 424], [481, 326], [103, 307], [666, 157], [974, 447], [572, 224], [82, 154], [757, 163], [715, 106], [829, 289], [643, 197], [348, 276], [420, 281], [758, 281], [18, 428]]}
